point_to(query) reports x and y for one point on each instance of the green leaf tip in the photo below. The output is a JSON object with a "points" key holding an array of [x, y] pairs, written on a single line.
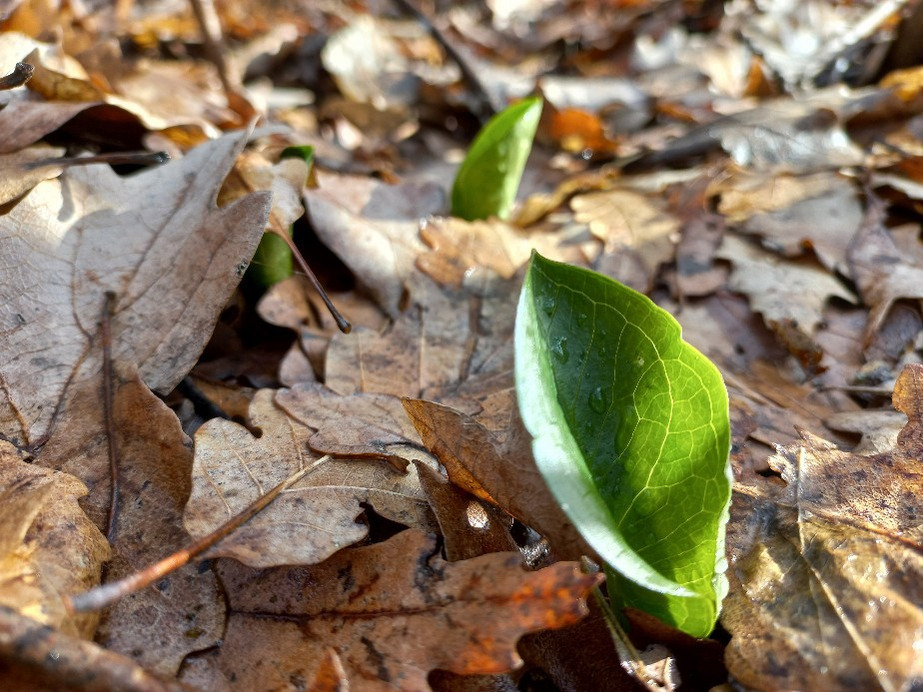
{"points": [[631, 432], [488, 178]]}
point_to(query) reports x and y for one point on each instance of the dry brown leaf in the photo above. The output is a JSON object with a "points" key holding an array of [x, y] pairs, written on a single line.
{"points": [[48, 546], [826, 572], [157, 627], [882, 272], [632, 225], [392, 611], [359, 426], [20, 172], [790, 214], [459, 248], [311, 520], [501, 472], [374, 229], [27, 647], [469, 526], [157, 240], [790, 294]]}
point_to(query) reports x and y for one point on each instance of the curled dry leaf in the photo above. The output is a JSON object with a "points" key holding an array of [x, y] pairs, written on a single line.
{"points": [[157, 627], [392, 611], [26, 647], [360, 426], [882, 272], [48, 546], [311, 520], [75, 238], [499, 471], [826, 572]]}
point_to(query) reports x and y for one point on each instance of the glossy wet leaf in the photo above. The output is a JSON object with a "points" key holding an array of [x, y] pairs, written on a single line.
{"points": [[631, 432], [488, 178]]}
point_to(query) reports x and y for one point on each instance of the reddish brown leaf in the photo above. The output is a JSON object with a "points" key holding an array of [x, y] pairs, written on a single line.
{"points": [[392, 611]]}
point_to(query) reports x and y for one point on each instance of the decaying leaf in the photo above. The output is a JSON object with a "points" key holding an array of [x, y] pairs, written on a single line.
{"points": [[374, 229], [827, 570], [311, 520], [392, 612], [73, 239], [499, 471], [157, 627], [48, 546], [882, 272]]}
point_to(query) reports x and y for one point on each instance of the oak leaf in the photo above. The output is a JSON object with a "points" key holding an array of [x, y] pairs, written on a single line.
{"points": [[156, 240], [392, 612], [48, 546], [314, 518], [826, 571]]}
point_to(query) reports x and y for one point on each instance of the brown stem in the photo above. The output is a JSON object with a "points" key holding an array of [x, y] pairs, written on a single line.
{"points": [[21, 74], [210, 25], [106, 329], [135, 158], [106, 594], [341, 321]]}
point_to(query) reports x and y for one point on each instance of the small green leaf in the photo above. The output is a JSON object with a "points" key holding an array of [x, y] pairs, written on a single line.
{"points": [[273, 259], [631, 432], [487, 180]]}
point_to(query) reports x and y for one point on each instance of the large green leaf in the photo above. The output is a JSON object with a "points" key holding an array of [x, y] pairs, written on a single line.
{"points": [[631, 432], [487, 180]]}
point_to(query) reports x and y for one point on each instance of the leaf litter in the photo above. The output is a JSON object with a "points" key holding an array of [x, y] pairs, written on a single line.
{"points": [[777, 220]]}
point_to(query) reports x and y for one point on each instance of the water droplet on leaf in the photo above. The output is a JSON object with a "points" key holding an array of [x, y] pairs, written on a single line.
{"points": [[559, 349], [599, 400]]}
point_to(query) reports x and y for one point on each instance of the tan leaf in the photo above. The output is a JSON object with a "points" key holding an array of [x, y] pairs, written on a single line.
{"points": [[826, 571], [630, 224], [373, 228], [157, 240], [791, 214], [157, 627], [48, 546], [392, 611], [882, 272], [311, 520], [501, 472], [359, 425], [785, 292]]}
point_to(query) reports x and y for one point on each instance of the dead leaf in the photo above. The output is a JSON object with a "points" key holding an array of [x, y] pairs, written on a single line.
{"points": [[73, 239], [157, 627], [882, 273], [373, 228], [466, 616], [469, 527], [26, 647], [630, 224], [371, 426], [48, 546], [790, 295], [310, 521], [500, 472], [826, 571]]}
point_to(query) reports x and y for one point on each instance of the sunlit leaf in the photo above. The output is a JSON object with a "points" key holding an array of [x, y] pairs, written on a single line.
{"points": [[631, 432], [488, 178]]}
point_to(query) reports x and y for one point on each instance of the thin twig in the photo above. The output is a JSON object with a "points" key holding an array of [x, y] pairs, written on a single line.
{"points": [[341, 321], [106, 330], [106, 594], [487, 105], [21, 74], [134, 158], [210, 25]]}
